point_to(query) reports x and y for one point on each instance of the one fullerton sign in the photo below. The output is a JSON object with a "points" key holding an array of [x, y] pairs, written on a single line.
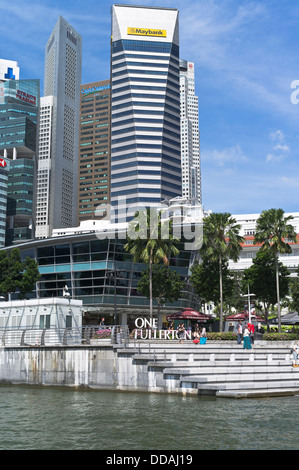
{"points": [[161, 33]]}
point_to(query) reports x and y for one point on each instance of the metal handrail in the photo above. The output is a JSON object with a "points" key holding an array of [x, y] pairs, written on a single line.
{"points": [[31, 336]]}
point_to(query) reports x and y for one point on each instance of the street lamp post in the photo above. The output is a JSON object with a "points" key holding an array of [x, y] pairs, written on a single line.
{"points": [[110, 274], [113, 273], [249, 306]]}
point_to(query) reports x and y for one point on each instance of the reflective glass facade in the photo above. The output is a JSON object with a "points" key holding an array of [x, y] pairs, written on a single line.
{"points": [[19, 102], [83, 263], [19, 114]]}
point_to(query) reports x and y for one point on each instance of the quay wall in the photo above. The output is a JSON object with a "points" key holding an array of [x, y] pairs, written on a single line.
{"points": [[101, 367], [223, 368]]}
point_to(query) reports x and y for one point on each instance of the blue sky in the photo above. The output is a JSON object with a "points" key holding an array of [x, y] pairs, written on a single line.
{"points": [[246, 57]]}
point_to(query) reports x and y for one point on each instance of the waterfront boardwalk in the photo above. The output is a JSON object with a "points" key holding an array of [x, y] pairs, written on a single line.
{"points": [[221, 368]]}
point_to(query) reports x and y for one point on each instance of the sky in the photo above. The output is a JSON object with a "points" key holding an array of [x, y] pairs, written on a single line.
{"points": [[246, 77]]}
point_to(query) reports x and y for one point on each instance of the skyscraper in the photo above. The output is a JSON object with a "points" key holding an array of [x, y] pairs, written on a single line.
{"points": [[42, 229], [190, 148], [4, 167], [145, 107], [63, 57], [94, 153], [19, 105]]}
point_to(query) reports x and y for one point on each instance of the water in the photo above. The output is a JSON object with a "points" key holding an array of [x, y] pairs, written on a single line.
{"points": [[33, 418]]}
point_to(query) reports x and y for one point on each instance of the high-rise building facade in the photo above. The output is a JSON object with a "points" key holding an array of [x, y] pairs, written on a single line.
{"points": [[94, 150], [63, 59], [190, 147], [42, 229], [145, 107], [19, 109], [4, 168]]}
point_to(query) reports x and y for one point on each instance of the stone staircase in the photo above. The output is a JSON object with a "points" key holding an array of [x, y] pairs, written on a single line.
{"points": [[223, 369]]}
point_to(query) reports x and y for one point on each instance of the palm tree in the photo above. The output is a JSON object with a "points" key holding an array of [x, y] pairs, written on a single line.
{"points": [[221, 241], [274, 232], [150, 241]]}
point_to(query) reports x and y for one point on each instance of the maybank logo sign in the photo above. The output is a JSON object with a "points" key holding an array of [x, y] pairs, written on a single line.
{"points": [[161, 33]]}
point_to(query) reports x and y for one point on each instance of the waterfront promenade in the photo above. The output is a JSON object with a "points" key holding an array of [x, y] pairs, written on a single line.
{"points": [[220, 368]]}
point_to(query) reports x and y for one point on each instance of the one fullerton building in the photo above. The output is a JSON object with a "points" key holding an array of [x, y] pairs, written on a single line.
{"points": [[145, 108]]}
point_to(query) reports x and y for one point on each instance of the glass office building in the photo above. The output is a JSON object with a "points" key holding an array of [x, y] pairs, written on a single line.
{"points": [[19, 108], [86, 265], [145, 108]]}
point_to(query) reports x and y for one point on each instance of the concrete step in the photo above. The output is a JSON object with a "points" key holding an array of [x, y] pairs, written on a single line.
{"points": [[251, 385], [221, 345], [259, 393], [240, 378], [181, 348], [174, 358], [229, 371]]}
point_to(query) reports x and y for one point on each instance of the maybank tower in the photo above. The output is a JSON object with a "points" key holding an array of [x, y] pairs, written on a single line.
{"points": [[145, 108]]}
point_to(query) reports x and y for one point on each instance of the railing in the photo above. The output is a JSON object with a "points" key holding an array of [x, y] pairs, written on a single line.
{"points": [[115, 334]]}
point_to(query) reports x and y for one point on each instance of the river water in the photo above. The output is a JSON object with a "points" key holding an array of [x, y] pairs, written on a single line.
{"points": [[40, 418]]}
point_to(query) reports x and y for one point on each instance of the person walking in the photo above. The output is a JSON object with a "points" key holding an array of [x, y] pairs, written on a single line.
{"points": [[240, 332], [295, 351], [246, 338]]}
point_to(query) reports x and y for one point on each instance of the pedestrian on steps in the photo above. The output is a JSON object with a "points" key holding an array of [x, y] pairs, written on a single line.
{"points": [[181, 332], [246, 339], [240, 332], [203, 336], [295, 351]]}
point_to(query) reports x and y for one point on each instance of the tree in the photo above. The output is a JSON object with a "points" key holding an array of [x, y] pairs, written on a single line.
{"points": [[205, 279], [29, 278], [260, 277], [16, 275], [221, 241], [166, 285], [294, 292], [150, 241], [274, 232]]}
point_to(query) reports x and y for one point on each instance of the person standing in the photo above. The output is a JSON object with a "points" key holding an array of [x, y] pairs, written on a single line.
{"points": [[295, 351], [246, 339], [203, 336], [240, 332], [181, 332], [251, 329]]}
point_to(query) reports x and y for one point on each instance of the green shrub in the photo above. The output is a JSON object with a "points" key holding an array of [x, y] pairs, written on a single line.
{"points": [[218, 336], [280, 336]]}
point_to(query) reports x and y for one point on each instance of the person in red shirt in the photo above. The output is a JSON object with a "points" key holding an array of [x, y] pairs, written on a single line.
{"points": [[251, 328]]}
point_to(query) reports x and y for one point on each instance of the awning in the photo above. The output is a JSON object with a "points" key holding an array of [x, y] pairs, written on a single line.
{"points": [[243, 316], [289, 319], [189, 314]]}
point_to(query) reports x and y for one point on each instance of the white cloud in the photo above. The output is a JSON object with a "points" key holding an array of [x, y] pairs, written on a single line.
{"points": [[281, 150], [225, 156]]}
